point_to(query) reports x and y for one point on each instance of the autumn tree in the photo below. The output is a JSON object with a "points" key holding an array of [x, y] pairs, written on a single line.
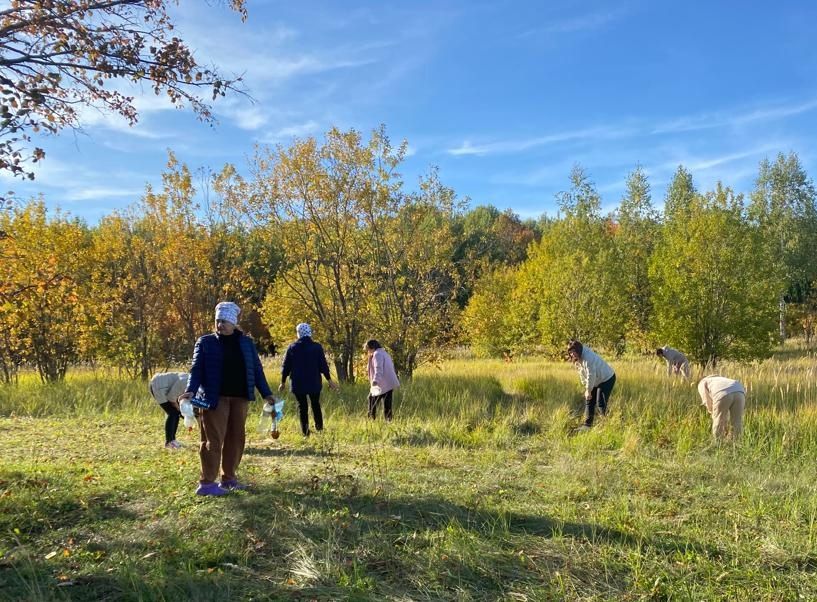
{"points": [[59, 56], [488, 319], [42, 302], [241, 259], [412, 282], [314, 196], [488, 238], [680, 193], [714, 288], [635, 237], [356, 249], [10, 255], [147, 261], [784, 205], [574, 273]]}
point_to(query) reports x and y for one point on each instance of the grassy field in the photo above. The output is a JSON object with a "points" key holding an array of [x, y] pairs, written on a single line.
{"points": [[477, 491]]}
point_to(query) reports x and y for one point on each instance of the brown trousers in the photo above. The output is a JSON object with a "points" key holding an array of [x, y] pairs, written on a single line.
{"points": [[222, 439]]}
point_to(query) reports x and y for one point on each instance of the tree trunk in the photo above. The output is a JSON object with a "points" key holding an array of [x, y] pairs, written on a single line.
{"points": [[411, 364], [340, 368], [782, 319], [144, 368]]}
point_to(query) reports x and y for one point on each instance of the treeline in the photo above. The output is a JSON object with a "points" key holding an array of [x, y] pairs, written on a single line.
{"points": [[714, 274], [328, 232], [323, 232]]}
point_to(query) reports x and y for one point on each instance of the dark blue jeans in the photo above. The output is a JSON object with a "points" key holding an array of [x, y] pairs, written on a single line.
{"points": [[599, 395]]}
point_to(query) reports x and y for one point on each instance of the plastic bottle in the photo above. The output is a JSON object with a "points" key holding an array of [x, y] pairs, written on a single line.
{"points": [[267, 418], [186, 409], [271, 413], [278, 408]]}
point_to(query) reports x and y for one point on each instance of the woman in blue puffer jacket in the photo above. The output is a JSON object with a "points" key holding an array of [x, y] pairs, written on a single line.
{"points": [[227, 368]]}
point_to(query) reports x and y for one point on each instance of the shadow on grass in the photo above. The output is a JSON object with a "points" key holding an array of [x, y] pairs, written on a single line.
{"points": [[319, 538], [419, 513], [34, 505], [36, 580], [287, 452], [383, 538]]}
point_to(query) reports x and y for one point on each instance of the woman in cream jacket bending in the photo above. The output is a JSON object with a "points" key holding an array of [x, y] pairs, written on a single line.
{"points": [[597, 377]]}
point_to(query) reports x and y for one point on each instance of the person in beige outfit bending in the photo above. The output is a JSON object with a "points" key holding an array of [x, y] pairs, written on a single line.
{"points": [[725, 400]]}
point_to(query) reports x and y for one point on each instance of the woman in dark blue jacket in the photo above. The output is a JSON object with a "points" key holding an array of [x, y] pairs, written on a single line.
{"points": [[227, 368], [304, 363]]}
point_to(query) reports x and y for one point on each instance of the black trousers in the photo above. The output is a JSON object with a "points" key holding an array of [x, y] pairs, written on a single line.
{"points": [[374, 401], [171, 422], [303, 411], [599, 395]]}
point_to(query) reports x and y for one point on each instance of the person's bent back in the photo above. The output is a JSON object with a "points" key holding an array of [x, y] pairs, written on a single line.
{"points": [[725, 400]]}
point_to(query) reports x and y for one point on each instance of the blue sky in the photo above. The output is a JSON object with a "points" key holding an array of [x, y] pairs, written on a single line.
{"points": [[503, 96]]}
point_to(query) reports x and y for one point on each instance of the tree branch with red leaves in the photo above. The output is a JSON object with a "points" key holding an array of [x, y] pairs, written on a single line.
{"points": [[56, 56]]}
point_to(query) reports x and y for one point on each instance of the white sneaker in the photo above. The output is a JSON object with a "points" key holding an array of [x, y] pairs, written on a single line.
{"points": [[173, 445], [583, 428]]}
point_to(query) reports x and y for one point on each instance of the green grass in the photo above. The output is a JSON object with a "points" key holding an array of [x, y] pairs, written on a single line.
{"points": [[478, 491]]}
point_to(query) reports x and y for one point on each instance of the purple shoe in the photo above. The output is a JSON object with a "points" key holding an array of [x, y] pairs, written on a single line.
{"points": [[210, 489], [234, 485]]}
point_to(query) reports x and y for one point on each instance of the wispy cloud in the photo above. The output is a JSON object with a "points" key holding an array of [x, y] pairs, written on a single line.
{"points": [[635, 128], [249, 118], [734, 118], [519, 145], [146, 103], [94, 193], [117, 124], [587, 22], [263, 61], [697, 163], [295, 130], [76, 182]]}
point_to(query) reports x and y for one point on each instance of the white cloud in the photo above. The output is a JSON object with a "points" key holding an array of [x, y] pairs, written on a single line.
{"points": [[91, 119], [91, 193], [247, 118], [588, 22], [698, 164], [262, 61], [515, 146], [295, 130], [75, 182], [733, 118], [144, 101]]}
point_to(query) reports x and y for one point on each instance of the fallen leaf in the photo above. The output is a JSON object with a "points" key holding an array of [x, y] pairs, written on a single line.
{"points": [[149, 555]]}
